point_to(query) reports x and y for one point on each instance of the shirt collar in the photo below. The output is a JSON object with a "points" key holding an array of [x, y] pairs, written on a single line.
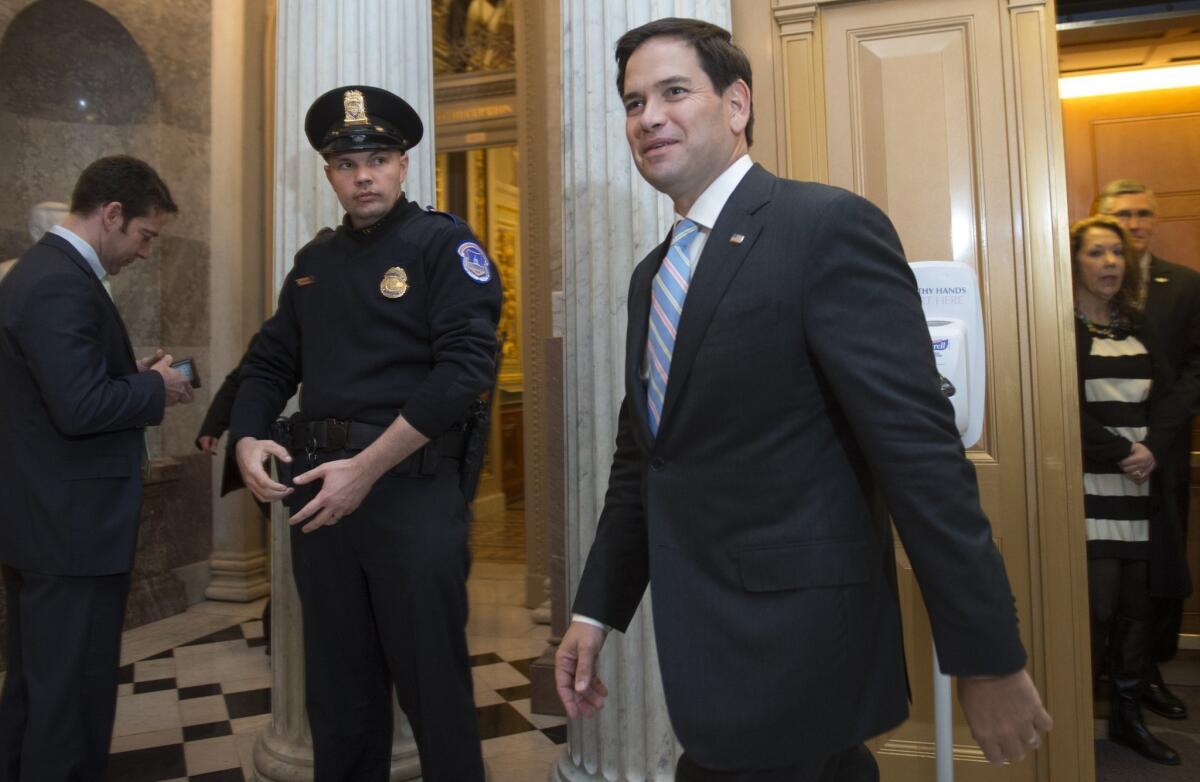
{"points": [[83, 248], [710, 203]]}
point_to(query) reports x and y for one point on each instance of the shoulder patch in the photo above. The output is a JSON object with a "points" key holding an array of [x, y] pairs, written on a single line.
{"points": [[458, 221], [475, 262]]}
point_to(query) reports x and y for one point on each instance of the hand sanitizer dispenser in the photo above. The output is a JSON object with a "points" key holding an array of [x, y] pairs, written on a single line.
{"points": [[950, 298]]}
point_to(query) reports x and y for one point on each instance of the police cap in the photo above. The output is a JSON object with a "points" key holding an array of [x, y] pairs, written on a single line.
{"points": [[358, 117]]}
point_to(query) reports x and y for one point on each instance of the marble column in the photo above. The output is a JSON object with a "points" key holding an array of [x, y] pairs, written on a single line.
{"points": [[238, 563], [611, 218], [320, 45]]}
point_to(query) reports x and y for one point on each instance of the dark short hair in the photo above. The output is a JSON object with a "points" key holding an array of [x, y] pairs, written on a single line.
{"points": [[131, 182], [723, 62], [1126, 297]]}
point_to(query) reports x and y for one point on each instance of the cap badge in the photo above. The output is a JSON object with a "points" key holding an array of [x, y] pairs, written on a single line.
{"points": [[355, 106], [475, 262], [394, 283]]}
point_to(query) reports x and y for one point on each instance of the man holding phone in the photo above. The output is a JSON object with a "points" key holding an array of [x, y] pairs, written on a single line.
{"points": [[73, 406]]}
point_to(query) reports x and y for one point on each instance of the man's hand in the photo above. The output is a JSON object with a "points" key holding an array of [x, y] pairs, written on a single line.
{"points": [[580, 690], [1139, 463], [251, 455], [344, 484], [144, 364], [1005, 714], [179, 390], [207, 443]]}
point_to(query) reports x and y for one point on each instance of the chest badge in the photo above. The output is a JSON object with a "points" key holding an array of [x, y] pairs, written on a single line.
{"points": [[394, 283]]}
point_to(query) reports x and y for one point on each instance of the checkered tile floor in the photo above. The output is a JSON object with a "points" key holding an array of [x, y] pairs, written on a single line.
{"points": [[194, 711]]}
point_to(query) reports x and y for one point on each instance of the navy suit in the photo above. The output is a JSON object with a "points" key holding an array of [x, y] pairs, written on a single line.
{"points": [[802, 407], [1172, 335], [72, 409]]}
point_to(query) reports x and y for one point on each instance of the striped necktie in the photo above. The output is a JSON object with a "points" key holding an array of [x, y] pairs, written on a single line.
{"points": [[666, 304]]}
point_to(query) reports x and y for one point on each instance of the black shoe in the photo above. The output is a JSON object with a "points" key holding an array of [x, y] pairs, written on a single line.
{"points": [[1158, 699], [1143, 742], [1125, 726]]}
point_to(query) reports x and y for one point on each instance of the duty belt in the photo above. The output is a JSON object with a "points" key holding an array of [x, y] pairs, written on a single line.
{"points": [[327, 435]]}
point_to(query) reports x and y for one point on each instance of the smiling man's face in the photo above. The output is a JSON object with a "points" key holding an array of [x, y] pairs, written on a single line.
{"points": [[681, 132]]}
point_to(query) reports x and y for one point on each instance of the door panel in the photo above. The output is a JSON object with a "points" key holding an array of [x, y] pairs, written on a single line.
{"points": [[945, 114]]}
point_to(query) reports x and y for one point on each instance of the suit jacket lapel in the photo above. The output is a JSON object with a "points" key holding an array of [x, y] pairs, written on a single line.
{"points": [[54, 240], [635, 340], [718, 264]]}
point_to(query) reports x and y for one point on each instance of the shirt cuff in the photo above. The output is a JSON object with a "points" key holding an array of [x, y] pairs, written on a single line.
{"points": [[587, 620]]}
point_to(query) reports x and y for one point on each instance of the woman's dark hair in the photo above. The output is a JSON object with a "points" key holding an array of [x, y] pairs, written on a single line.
{"points": [[723, 62], [1126, 298], [127, 180]]}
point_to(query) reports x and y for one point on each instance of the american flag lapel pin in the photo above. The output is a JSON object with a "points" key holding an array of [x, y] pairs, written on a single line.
{"points": [[737, 239]]}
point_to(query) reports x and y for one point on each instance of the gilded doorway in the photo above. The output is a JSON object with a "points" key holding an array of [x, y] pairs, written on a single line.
{"points": [[478, 177]]}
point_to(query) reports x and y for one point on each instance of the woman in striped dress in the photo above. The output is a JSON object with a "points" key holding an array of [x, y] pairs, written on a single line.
{"points": [[1115, 374]]}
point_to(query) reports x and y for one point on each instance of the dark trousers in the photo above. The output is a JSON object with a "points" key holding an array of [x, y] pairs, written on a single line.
{"points": [[384, 600], [1121, 610], [856, 764], [1168, 611], [60, 691]]}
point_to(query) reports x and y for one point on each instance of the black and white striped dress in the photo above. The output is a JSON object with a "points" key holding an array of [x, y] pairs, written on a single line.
{"points": [[1116, 376]]}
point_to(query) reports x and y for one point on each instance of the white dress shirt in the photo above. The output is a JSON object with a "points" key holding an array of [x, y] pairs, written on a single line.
{"points": [[86, 250]]}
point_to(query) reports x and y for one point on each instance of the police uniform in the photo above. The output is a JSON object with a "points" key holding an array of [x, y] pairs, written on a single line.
{"points": [[398, 318]]}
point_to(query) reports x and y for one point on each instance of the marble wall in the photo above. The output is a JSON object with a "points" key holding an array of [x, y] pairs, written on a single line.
{"points": [[81, 80], [86, 79]]}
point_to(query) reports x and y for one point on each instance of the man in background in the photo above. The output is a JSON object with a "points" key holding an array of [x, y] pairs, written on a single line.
{"points": [[1170, 296], [73, 406]]}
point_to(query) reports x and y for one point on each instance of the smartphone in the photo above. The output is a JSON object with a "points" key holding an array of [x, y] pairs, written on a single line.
{"points": [[187, 368]]}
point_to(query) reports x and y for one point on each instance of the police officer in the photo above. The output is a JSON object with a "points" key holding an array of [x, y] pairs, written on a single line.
{"points": [[390, 324]]}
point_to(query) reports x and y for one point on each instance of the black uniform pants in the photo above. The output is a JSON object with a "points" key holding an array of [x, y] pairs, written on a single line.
{"points": [[856, 764], [60, 691], [384, 600]]}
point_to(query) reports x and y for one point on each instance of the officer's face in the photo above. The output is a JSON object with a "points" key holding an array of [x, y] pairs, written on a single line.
{"points": [[367, 182], [681, 131]]}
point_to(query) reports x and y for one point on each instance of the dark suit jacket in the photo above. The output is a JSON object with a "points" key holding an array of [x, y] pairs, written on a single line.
{"points": [[72, 409], [1172, 335], [802, 406]]}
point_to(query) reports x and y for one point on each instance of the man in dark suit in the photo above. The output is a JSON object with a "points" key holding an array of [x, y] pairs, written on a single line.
{"points": [[73, 406], [1170, 294], [781, 400]]}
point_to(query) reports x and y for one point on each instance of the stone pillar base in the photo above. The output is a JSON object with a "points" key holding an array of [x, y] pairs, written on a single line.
{"points": [[279, 760], [543, 695], [238, 576]]}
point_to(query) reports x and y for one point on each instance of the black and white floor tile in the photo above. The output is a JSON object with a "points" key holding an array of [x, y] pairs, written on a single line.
{"points": [[194, 710]]}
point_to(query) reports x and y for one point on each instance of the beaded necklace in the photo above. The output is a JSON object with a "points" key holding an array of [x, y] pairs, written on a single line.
{"points": [[1118, 325]]}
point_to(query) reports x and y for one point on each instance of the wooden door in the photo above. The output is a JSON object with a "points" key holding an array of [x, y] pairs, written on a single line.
{"points": [[1153, 137], [945, 114]]}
